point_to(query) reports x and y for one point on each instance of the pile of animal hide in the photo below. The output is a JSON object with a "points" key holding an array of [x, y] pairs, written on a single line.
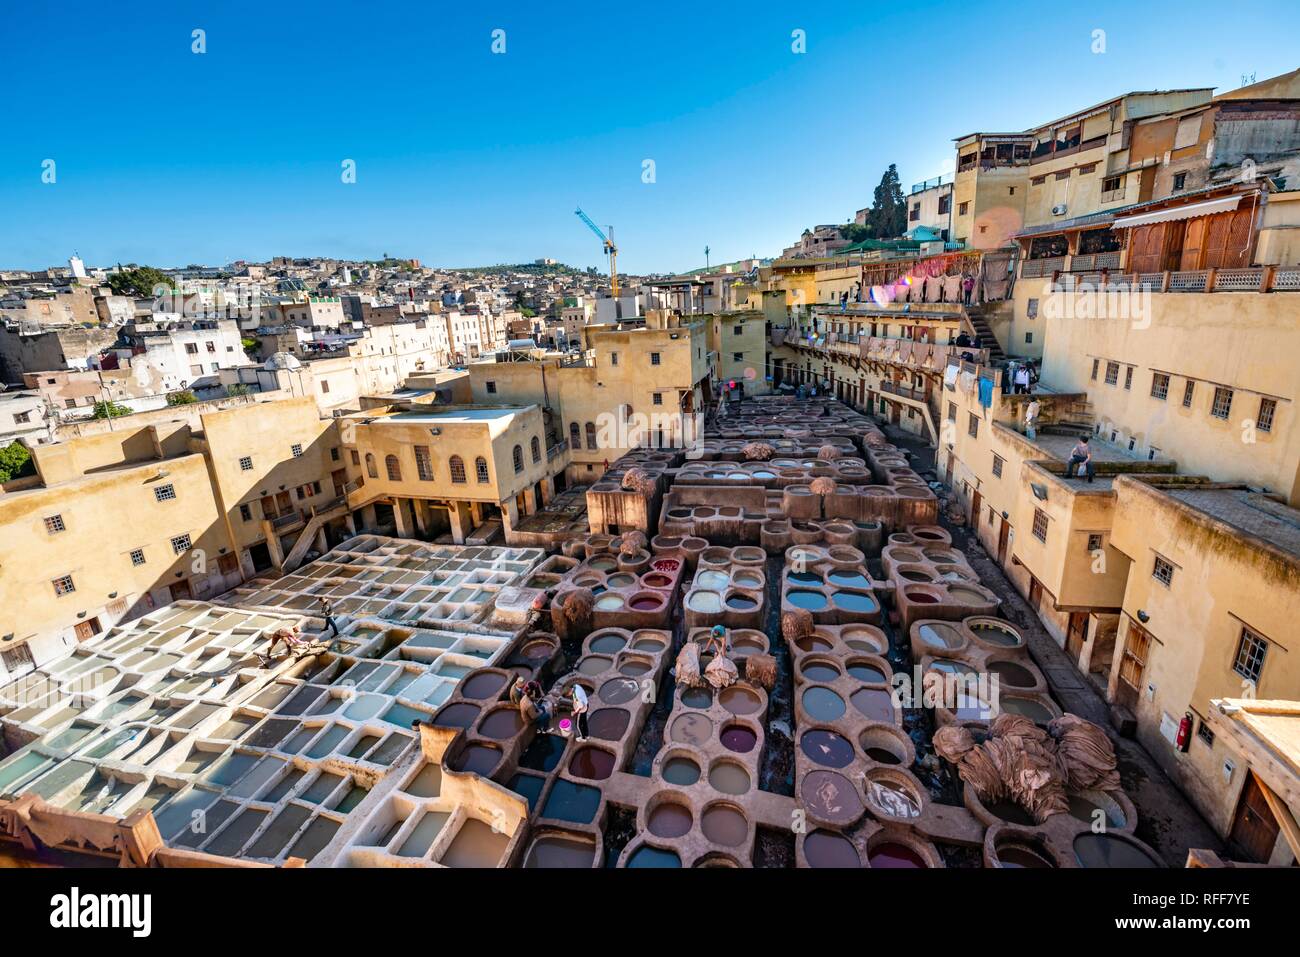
{"points": [[1032, 767]]}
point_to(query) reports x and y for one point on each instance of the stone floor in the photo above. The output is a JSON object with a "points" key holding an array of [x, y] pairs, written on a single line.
{"points": [[1167, 820]]}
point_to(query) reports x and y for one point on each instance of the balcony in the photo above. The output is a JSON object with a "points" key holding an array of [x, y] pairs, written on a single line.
{"points": [[286, 522], [555, 451], [1263, 279]]}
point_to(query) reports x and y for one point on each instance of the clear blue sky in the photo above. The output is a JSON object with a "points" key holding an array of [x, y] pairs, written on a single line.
{"points": [[465, 157]]}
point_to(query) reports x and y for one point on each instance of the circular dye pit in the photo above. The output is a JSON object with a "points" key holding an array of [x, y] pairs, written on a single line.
{"points": [[646, 601], [554, 851], [502, 724], [608, 724], [893, 797], [607, 643], [712, 579], [819, 671], [1084, 807], [724, 824], [826, 748], [744, 579], [651, 646], [811, 600], [537, 650], [1033, 710], [1110, 850], [919, 597], [940, 635], [656, 580], [993, 635], [594, 665], [875, 704], [883, 746], [739, 700], [1011, 674], [856, 603], [681, 771], [913, 575], [476, 759], [594, 764], [896, 855], [483, 685], [849, 579], [670, 819], [738, 738], [634, 667], [967, 706], [739, 602], [728, 777], [803, 578], [830, 797], [603, 563], [646, 856], [1011, 812], [690, 728], [619, 690], [823, 704], [621, 580], [705, 602], [1015, 855], [967, 596], [827, 849], [813, 643], [697, 698], [455, 716], [609, 602], [867, 673]]}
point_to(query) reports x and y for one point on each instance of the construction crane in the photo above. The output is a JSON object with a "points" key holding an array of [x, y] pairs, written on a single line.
{"points": [[609, 246]]}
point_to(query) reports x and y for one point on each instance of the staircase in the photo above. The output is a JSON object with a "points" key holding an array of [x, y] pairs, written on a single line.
{"points": [[335, 509], [980, 327]]}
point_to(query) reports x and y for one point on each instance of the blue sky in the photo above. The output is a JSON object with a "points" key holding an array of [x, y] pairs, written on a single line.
{"points": [[466, 157]]}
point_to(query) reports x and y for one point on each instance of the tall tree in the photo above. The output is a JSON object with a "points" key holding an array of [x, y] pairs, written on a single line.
{"points": [[887, 218]]}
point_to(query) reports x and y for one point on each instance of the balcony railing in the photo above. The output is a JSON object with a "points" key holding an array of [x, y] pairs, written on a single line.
{"points": [[1256, 279], [288, 520], [558, 449]]}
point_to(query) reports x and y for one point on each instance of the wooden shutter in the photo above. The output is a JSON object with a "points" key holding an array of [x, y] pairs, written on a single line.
{"points": [[1193, 244]]}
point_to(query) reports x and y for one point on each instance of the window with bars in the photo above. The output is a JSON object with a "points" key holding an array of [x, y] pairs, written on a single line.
{"points": [[423, 463], [355, 456], [137, 556], [181, 544], [456, 465], [1189, 391], [973, 426], [575, 435], [1094, 542], [657, 398], [1128, 377], [481, 470], [1264, 419], [1222, 404], [997, 466], [517, 455], [63, 585], [1205, 734], [1162, 570], [246, 513], [1112, 373], [535, 449], [54, 524], [1040, 525], [591, 435], [952, 411], [1159, 386], [1095, 364], [296, 450], [393, 468], [246, 463], [165, 493], [654, 358], [1251, 649]]}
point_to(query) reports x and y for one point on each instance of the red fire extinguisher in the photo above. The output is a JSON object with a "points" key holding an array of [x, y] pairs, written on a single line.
{"points": [[1184, 732]]}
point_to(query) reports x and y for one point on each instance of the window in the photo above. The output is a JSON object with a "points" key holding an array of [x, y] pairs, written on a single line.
{"points": [[517, 455], [657, 398], [1031, 310], [1040, 525], [997, 466], [393, 468], [973, 427], [1222, 404], [334, 454], [1111, 183], [1159, 386], [54, 524], [296, 450], [1162, 570], [613, 358], [491, 387], [915, 213], [324, 386], [1250, 655], [952, 411], [1011, 191], [945, 203], [535, 449], [1088, 170], [246, 463], [164, 493], [736, 330], [137, 556], [591, 435], [1128, 377], [1038, 181], [181, 544], [191, 348], [1112, 373], [1264, 420], [654, 358], [1205, 734], [1188, 392], [1029, 337], [424, 465], [19, 419], [575, 435], [16, 658], [963, 209], [63, 585], [737, 357], [245, 513], [356, 459], [1180, 181], [1094, 542], [457, 467], [1095, 363], [481, 470]]}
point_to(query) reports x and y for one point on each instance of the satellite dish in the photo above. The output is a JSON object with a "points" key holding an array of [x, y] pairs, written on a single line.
{"points": [[283, 360]]}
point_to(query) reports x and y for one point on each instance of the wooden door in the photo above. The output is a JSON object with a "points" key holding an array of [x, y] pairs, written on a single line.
{"points": [[1137, 645], [1035, 593], [1148, 248], [1254, 829], [1004, 535], [87, 629], [1076, 635], [268, 507], [975, 511], [1194, 243], [180, 589], [1175, 233], [340, 477], [284, 502]]}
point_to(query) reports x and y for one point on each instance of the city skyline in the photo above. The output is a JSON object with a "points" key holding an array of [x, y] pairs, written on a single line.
{"points": [[216, 156]]}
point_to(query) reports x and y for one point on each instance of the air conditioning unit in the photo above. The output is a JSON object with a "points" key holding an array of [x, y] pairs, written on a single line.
{"points": [[1058, 210]]}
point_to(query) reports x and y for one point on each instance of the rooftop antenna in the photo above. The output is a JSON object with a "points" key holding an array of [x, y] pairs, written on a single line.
{"points": [[706, 257]]}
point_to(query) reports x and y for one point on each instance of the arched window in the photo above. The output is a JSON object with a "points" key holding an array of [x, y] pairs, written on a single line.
{"points": [[480, 469], [393, 467], [575, 436], [535, 447], [457, 466], [370, 466], [519, 458], [591, 435]]}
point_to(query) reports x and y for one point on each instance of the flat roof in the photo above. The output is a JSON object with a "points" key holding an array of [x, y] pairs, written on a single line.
{"points": [[463, 415], [1252, 512]]}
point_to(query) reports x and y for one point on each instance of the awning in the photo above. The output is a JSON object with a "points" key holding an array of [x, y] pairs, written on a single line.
{"points": [[1189, 211]]}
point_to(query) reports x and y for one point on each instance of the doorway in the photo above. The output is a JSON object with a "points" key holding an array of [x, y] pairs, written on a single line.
{"points": [[1254, 828], [260, 554], [1076, 635], [180, 590], [87, 629], [1004, 537]]}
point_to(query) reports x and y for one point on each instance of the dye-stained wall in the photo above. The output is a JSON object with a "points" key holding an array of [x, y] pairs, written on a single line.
{"points": [[1224, 581]]}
